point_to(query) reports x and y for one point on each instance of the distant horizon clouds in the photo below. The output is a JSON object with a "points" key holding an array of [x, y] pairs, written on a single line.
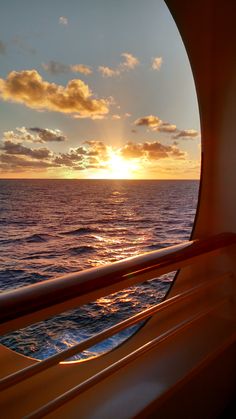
{"points": [[92, 154]]}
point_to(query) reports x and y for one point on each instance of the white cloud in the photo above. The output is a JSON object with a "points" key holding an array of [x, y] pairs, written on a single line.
{"points": [[107, 71], [63, 20], [157, 63], [129, 63]]}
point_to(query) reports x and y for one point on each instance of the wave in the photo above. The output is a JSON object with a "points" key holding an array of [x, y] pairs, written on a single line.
{"points": [[37, 238], [81, 249], [16, 278], [33, 238], [80, 231], [39, 242]]}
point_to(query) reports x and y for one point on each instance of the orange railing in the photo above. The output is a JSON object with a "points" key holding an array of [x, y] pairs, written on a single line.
{"points": [[26, 305], [36, 302]]}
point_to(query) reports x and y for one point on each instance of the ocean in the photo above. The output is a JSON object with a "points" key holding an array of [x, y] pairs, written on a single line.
{"points": [[52, 227]]}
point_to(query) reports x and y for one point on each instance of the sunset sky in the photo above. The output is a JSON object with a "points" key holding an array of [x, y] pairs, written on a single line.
{"points": [[95, 89]]}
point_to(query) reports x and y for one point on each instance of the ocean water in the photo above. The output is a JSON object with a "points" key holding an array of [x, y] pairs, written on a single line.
{"points": [[52, 227]]}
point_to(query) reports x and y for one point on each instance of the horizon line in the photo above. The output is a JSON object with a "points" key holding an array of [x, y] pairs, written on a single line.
{"points": [[96, 179]]}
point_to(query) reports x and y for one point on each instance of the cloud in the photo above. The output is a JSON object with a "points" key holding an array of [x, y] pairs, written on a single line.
{"points": [[45, 135], [187, 133], [68, 159], [28, 87], [148, 121], [10, 147], [157, 63], [2, 47], [21, 134], [156, 124], [97, 148], [117, 116], [92, 154], [108, 72], [151, 151], [63, 20], [81, 68], [167, 127], [17, 164], [129, 63], [54, 67], [35, 135]]}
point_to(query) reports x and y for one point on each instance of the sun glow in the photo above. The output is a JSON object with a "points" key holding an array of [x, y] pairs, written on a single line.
{"points": [[116, 167], [120, 168]]}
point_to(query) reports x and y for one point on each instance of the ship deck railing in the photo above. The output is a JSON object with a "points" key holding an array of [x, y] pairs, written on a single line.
{"points": [[30, 304]]}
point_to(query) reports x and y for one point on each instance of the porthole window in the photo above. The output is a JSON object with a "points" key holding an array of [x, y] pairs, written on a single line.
{"points": [[99, 153]]}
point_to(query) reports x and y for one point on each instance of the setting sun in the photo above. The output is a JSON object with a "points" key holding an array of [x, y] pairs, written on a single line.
{"points": [[116, 167], [119, 168], [108, 107]]}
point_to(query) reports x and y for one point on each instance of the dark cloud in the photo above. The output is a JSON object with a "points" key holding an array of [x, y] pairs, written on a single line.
{"points": [[92, 154], [18, 149], [167, 127], [10, 162], [187, 133], [82, 156], [46, 135], [156, 124], [35, 135], [148, 121], [28, 87], [150, 151], [72, 157], [54, 67]]}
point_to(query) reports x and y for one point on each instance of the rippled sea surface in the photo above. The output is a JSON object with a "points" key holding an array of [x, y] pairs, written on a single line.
{"points": [[52, 227]]}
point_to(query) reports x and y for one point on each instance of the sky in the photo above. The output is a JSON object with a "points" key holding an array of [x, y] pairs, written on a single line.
{"points": [[95, 89]]}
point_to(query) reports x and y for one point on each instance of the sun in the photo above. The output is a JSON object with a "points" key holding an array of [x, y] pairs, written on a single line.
{"points": [[119, 168], [116, 167]]}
